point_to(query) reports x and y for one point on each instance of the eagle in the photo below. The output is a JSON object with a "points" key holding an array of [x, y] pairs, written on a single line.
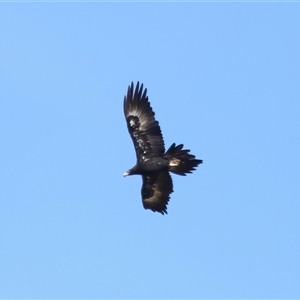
{"points": [[154, 164]]}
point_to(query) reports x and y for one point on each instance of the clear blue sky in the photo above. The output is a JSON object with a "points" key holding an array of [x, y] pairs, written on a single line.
{"points": [[223, 78]]}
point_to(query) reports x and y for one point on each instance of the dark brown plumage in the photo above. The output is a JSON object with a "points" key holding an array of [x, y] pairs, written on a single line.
{"points": [[153, 163]]}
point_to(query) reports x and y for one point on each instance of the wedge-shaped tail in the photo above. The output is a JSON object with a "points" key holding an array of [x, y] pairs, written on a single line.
{"points": [[181, 161]]}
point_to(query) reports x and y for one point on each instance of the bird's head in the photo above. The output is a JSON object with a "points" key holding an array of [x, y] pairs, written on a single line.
{"points": [[126, 173], [132, 171]]}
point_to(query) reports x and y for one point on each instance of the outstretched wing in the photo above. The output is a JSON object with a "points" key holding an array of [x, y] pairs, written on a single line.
{"points": [[156, 191], [142, 126]]}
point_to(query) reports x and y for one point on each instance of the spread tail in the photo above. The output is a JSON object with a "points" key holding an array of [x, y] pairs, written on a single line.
{"points": [[181, 161]]}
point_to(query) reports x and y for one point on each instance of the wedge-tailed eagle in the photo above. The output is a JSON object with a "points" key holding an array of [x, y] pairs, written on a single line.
{"points": [[153, 163]]}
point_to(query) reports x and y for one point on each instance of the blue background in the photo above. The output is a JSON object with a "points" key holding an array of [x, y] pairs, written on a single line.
{"points": [[223, 78]]}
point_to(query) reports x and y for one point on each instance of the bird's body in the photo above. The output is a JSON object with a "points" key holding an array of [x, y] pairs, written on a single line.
{"points": [[153, 162]]}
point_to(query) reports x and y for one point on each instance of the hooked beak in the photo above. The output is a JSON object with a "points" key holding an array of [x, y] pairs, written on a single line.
{"points": [[126, 173]]}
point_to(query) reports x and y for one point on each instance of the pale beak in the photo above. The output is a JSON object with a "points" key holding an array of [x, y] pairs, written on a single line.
{"points": [[126, 173]]}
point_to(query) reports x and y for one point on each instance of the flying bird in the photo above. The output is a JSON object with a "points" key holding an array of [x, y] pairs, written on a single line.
{"points": [[153, 162]]}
